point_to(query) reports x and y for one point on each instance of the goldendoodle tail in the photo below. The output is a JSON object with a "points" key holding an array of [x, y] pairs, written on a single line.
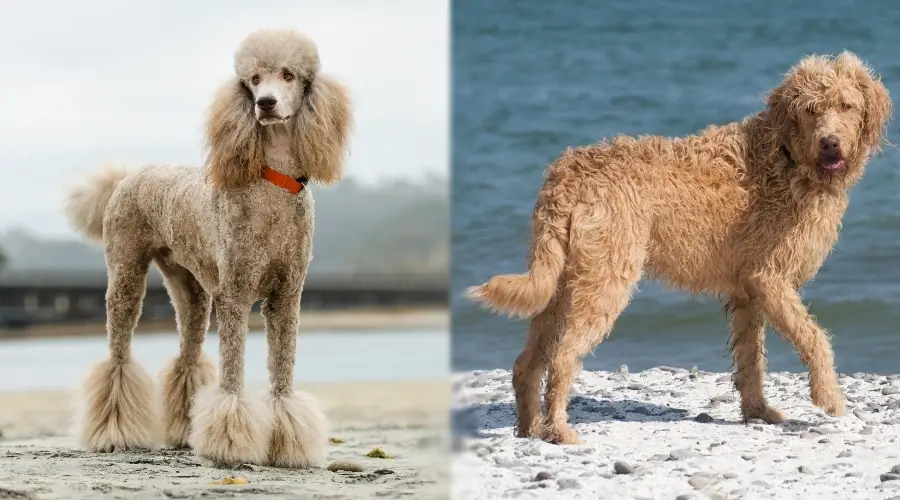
{"points": [[525, 295], [86, 203]]}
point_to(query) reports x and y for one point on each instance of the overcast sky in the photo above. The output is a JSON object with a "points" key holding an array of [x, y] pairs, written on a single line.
{"points": [[91, 81]]}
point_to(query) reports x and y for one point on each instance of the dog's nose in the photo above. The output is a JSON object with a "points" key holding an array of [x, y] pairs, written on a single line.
{"points": [[830, 145], [266, 103]]}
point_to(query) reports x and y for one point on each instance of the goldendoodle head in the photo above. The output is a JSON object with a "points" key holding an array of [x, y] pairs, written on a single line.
{"points": [[277, 81], [829, 113]]}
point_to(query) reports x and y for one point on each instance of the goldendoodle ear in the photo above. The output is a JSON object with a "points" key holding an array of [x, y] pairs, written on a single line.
{"points": [[234, 145], [322, 130], [780, 116], [878, 109]]}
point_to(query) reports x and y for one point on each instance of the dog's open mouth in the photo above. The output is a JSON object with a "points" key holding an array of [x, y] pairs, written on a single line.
{"points": [[832, 164]]}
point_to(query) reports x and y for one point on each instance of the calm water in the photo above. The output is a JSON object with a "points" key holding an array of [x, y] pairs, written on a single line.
{"points": [[531, 78], [375, 355]]}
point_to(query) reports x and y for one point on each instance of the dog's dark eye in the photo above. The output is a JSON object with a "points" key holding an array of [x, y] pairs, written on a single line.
{"points": [[255, 80], [847, 106], [812, 112], [288, 76]]}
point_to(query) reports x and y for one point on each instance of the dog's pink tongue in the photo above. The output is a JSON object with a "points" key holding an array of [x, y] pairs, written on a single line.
{"points": [[833, 164]]}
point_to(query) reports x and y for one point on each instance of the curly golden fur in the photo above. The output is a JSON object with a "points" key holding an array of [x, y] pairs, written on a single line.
{"points": [[221, 236], [746, 211]]}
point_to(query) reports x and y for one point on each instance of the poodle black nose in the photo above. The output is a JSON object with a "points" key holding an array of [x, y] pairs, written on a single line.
{"points": [[266, 103], [830, 145]]}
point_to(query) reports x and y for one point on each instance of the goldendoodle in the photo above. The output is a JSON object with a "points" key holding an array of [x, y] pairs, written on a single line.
{"points": [[746, 211], [237, 231]]}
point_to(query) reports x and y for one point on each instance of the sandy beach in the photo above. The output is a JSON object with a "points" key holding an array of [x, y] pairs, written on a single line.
{"points": [[666, 433], [40, 459]]}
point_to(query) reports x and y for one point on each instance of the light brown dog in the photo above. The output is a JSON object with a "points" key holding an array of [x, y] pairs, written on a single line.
{"points": [[234, 232], [746, 211]]}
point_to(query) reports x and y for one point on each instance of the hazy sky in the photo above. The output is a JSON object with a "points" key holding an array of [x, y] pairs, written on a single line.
{"points": [[91, 81]]}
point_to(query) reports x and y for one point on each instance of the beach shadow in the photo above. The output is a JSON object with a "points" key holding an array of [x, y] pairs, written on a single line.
{"points": [[472, 421]]}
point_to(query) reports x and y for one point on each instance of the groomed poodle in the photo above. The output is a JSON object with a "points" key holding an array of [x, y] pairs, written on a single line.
{"points": [[237, 231], [746, 211]]}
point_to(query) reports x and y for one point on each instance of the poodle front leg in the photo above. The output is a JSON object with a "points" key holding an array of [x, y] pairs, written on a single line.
{"points": [[790, 317], [748, 349], [228, 427], [300, 434], [119, 409]]}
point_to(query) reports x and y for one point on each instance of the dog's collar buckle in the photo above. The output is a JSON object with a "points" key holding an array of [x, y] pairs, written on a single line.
{"points": [[294, 185]]}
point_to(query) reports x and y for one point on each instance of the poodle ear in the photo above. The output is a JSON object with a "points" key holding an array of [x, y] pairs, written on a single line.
{"points": [[877, 112], [322, 129], [234, 144]]}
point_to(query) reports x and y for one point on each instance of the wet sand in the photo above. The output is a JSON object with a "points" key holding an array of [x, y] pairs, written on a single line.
{"points": [[39, 458]]}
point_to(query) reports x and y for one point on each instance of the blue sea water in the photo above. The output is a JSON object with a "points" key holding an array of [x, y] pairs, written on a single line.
{"points": [[532, 77]]}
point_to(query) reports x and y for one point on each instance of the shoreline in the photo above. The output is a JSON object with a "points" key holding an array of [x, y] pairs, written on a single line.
{"points": [[332, 320], [680, 436], [39, 458]]}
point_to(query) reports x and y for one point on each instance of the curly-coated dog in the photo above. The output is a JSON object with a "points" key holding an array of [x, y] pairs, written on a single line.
{"points": [[746, 211], [236, 231]]}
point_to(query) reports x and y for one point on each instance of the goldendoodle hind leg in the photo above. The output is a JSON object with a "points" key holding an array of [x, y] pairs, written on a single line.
{"points": [[531, 366], [119, 408], [191, 370], [300, 432], [606, 258], [226, 426], [748, 349]]}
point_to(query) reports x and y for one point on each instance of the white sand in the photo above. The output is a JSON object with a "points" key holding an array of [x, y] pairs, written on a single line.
{"points": [[647, 420], [408, 420]]}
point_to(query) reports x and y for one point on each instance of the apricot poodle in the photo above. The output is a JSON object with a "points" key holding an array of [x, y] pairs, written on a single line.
{"points": [[237, 231], [746, 211]]}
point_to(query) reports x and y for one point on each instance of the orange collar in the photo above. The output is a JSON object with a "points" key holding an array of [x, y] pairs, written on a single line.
{"points": [[285, 181]]}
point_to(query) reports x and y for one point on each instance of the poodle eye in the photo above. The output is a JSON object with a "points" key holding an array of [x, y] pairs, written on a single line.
{"points": [[255, 80], [812, 112], [847, 107], [288, 76]]}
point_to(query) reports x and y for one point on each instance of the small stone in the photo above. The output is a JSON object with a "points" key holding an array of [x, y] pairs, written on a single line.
{"points": [[622, 369], [678, 394], [845, 454], [824, 441], [893, 404], [865, 431], [542, 476], [699, 482], [853, 474], [669, 369], [507, 462], [889, 476], [762, 484], [636, 387], [895, 469], [805, 469], [681, 454], [748, 457], [730, 475], [686, 496], [659, 458], [721, 398], [858, 375], [704, 418], [623, 467], [568, 484], [891, 389]]}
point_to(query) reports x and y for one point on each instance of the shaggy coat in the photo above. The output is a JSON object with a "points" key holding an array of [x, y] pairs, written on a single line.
{"points": [[746, 211], [221, 236]]}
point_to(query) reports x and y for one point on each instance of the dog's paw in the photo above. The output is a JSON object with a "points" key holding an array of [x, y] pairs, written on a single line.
{"points": [[230, 429], [300, 432], [560, 434], [765, 413], [830, 400]]}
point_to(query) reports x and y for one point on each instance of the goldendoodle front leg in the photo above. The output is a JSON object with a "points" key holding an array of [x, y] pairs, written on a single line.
{"points": [[185, 375], [228, 427], [789, 316], [748, 349], [119, 409], [300, 434]]}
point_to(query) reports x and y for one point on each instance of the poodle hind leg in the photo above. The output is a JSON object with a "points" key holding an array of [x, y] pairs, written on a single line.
{"points": [[227, 427], [192, 370], [606, 258], [531, 366], [119, 410], [748, 350], [300, 434]]}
